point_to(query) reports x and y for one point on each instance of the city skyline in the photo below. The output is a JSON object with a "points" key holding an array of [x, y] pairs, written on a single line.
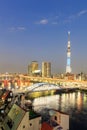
{"points": [[38, 30]]}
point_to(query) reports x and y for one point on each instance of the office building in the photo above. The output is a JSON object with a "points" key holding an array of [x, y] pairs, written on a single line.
{"points": [[46, 69], [32, 68]]}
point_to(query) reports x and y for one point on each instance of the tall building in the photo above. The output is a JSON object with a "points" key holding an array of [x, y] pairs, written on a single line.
{"points": [[68, 66], [32, 67], [46, 69]]}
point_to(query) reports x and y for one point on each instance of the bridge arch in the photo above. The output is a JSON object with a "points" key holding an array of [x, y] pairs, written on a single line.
{"points": [[42, 87]]}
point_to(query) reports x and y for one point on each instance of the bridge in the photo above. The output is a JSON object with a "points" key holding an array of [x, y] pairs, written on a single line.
{"points": [[63, 82], [40, 87], [28, 79]]}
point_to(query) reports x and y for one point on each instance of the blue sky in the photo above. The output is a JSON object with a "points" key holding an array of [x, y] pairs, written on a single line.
{"points": [[38, 30]]}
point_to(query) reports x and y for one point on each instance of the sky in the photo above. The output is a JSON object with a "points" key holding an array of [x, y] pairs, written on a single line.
{"points": [[37, 30]]}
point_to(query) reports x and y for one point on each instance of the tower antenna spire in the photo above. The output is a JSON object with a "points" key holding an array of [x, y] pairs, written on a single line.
{"points": [[68, 35]]}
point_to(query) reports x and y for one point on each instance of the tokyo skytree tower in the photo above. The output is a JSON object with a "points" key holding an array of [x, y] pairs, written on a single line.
{"points": [[68, 66]]}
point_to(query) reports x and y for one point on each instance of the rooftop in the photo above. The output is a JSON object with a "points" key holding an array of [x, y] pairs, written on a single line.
{"points": [[52, 123], [33, 114], [13, 118]]}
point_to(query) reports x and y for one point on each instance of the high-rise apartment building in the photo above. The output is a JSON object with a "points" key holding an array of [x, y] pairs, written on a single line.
{"points": [[46, 69], [32, 67]]}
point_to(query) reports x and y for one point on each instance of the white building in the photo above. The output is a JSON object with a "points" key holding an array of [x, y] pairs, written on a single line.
{"points": [[20, 119], [61, 118]]}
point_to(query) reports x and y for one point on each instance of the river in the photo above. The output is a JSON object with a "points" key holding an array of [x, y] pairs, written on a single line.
{"points": [[74, 104]]}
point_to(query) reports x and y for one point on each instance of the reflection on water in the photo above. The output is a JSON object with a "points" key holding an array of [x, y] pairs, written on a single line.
{"points": [[75, 104]]}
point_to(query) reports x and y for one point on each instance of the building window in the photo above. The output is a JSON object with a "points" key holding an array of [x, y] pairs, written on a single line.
{"points": [[10, 123], [30, 124], [56, 118], [23, 126], [39, 121]]}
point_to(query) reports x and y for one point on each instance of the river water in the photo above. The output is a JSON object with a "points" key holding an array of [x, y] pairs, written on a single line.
{"points": [[74, 104]]}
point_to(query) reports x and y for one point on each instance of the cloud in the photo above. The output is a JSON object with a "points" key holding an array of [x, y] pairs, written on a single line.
{"points": [[79, 14], [61, 18], [19, 28], [75, 16], [43, 21], [82, 12]]}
